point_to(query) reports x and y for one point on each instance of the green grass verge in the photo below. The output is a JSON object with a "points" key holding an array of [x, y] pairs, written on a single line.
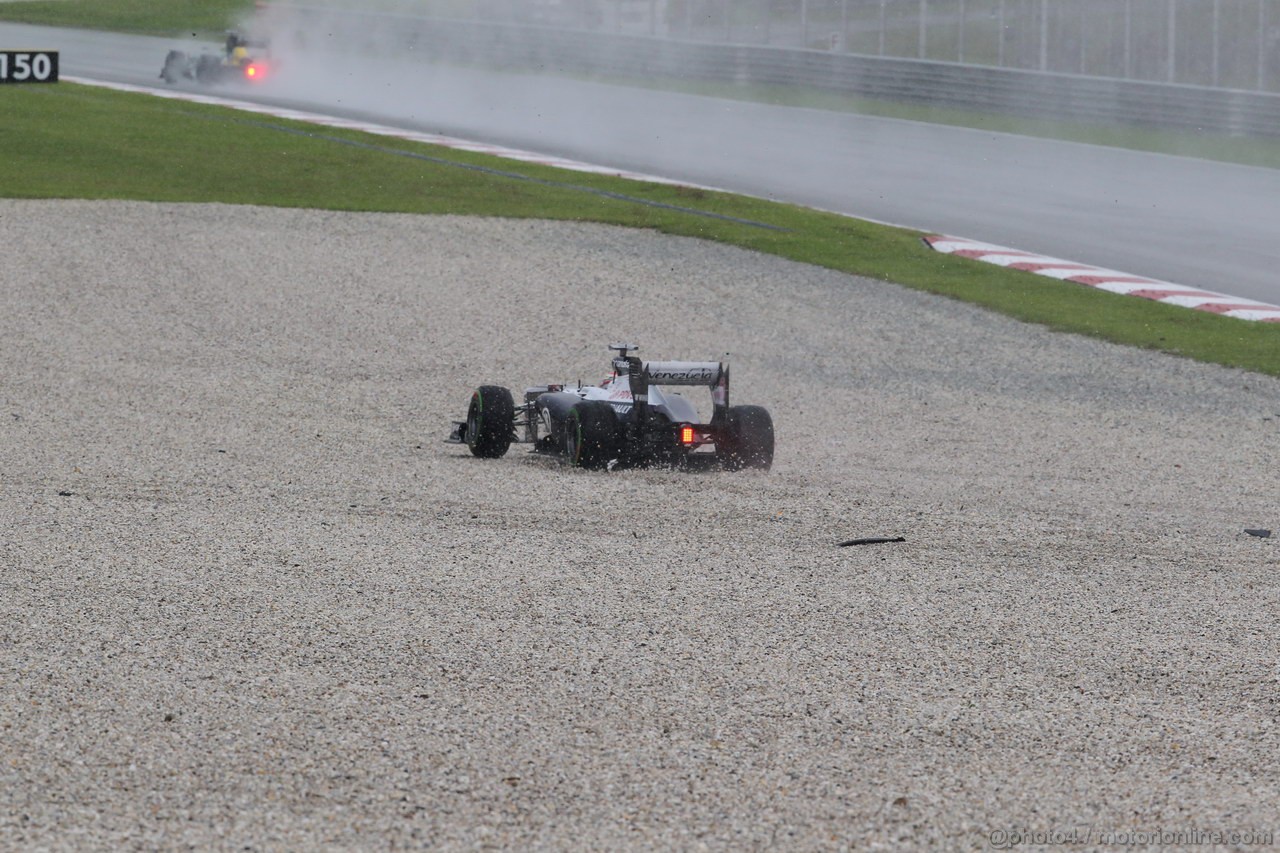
{"points": [[168, 17], [69, 141]]}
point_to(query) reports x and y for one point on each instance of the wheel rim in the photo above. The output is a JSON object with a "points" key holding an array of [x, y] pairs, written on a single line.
{"points": [[573, 440], [475, 413]]}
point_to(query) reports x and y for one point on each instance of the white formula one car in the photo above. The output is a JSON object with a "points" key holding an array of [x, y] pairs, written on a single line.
{"points": [[627, 421]]}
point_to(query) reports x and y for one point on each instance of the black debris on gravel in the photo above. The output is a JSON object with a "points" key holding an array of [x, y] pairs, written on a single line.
{"points": [[872, 540]]}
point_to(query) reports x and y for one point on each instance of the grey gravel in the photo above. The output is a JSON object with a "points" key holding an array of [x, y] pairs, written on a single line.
{"points": [[251, 600]]}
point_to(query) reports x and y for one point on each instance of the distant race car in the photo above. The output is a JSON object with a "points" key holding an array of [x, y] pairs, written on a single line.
{"points": [[626, 421], [242, 60]]}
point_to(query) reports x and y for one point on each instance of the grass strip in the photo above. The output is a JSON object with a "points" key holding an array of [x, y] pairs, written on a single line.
{"points": [[515, 176], [149, 17], [70, 141]]}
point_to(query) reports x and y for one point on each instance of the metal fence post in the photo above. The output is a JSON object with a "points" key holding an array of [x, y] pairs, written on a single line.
{"points": [[1044, 35], [963, 23], [1000, 35], [1084, 39], [804, 23], [922, 39], [1217, 34], [1262, 45], [1128, 39], [884, 22], [1171, 58]]}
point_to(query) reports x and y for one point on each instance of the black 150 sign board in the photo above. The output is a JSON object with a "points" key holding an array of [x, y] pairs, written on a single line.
{"points": [[28, 66]]}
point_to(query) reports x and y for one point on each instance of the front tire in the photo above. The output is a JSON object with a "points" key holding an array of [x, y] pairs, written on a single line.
{"points": [[490, 422], [748, 438], [590, 434]]}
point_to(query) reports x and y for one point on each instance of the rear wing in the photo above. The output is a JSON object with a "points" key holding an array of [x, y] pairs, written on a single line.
{"points": [[706, 373], [713, 375]]}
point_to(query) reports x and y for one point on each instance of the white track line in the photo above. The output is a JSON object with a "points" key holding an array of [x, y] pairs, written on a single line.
{"points": [[1103, 279]]}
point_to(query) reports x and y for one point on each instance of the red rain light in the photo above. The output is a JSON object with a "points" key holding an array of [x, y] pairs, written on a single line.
{"points": [[686, 435], [254, 72]]}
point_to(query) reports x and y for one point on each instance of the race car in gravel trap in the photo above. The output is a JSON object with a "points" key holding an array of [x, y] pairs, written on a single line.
{"points": [[629, 420], [242, 60]]}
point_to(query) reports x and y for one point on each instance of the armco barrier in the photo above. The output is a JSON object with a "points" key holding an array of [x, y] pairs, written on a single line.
{"points": [[1008, 91]]}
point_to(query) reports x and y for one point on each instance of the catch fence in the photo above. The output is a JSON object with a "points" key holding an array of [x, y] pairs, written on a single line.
{"points": [[1218, 43], [1032, 66]]}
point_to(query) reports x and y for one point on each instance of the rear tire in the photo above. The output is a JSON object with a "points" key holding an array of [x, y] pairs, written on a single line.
{"points": [[173, 63], [490, 422], [748, 439], [207, 69], [590, 434]]}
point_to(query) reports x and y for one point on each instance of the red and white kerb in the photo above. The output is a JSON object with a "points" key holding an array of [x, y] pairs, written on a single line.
{"points": [[1110, 280]]}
